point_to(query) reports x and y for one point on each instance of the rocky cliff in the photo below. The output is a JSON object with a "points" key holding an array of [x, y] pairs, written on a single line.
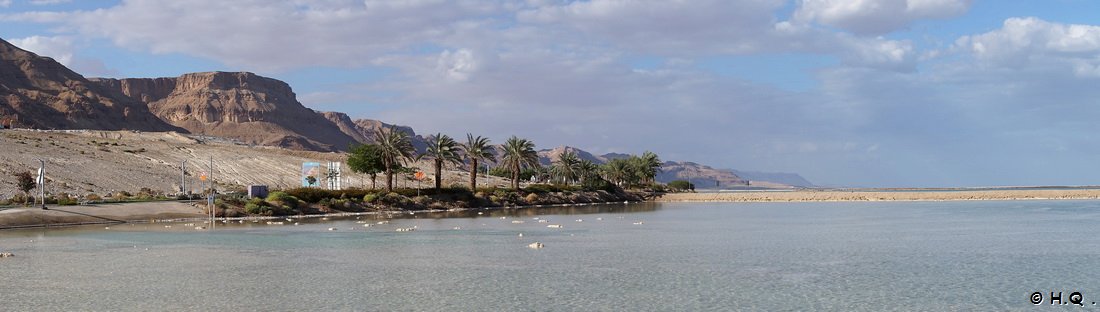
{"points": [[241, 105], [38, 92]]}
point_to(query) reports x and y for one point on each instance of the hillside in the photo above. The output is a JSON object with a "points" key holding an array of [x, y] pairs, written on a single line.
{"points": [[548, 156], [243, 106], [39, 92], [704, 177], [101, 162]]}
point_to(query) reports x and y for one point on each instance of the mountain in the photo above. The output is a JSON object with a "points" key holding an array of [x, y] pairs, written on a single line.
{"points": [[362, 130], [548, 156], [610, 156], [239, 105], [792, 179], [38, 92], [704, 177]]}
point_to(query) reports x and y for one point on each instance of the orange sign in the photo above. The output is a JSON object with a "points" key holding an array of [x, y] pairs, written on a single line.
{"points": [[202, 177], [419, 175]]}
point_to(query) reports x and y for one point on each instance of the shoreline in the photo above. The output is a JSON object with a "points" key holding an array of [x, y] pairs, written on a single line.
{"points": [[178, 211], [870, 195], [19, 218]]}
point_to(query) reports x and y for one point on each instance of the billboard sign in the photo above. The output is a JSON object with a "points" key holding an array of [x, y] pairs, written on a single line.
{"points": [[311, 169]]}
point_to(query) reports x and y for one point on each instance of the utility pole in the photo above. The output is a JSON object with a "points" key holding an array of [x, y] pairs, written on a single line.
{"points": [[42, 182], [210, 198], [183, 177]]}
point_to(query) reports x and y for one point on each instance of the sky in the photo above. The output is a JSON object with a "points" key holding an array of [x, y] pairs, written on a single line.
{"points": [[890, 93]]}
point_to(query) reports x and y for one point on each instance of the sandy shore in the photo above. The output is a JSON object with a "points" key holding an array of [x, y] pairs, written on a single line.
{"points": [[92, 214], [809, 196]]}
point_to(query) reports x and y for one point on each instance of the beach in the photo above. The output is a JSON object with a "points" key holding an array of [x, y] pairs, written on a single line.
{"points": [[878, 195], [97, 214]]}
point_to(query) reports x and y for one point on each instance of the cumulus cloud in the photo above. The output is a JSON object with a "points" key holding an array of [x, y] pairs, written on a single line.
{"points": [[713, 27], [59, 48], [877, 17], [1032, 43], [270, 35]]}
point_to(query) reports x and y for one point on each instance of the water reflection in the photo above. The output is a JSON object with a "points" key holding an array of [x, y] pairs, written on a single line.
{"points": [[532, 211]]}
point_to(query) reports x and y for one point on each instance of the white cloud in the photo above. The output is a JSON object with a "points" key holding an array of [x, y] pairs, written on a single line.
{"points": [[49, 2], [1034, 44], [877, 17], [271, 35], [59, 48], [5, 3]]}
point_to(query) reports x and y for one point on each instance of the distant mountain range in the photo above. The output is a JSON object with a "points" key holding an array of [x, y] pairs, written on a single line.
{"points": [[703, 176], [38, 92]]}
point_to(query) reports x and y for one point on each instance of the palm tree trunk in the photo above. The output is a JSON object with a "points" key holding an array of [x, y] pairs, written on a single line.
{"points": [[515, 177], [389, 179], [473, 175], [438, 175]]}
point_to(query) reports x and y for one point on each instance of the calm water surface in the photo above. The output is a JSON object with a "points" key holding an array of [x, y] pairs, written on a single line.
{"points": [[683, 257]]}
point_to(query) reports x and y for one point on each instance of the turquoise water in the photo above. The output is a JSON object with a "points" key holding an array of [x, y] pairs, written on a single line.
{"points": [[682, 257]]}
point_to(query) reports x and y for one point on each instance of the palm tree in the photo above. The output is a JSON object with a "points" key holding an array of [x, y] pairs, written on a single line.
{"points": [[476, 149], [566, 167], [617, 171], [519, 153], [587, 170], [395, 148], [651, 165], [441, 148]]}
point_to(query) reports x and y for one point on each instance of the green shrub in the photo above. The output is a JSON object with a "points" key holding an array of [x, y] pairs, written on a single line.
{"points": [[681, 185], [282, 199], [315, 195], [370, 198]]}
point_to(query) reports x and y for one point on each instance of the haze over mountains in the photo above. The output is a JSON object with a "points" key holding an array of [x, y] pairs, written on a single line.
{"points": [[38, 92]]}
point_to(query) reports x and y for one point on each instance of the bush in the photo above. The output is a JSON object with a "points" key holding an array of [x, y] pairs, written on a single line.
{"points": [[315, 195], [549, 188], [278, 198], [396, 200], [370, 198], [66, 200], [532, 198], [681, 185]]}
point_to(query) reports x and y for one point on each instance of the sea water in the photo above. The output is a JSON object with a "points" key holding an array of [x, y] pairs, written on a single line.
{"points": [[991, 255]]}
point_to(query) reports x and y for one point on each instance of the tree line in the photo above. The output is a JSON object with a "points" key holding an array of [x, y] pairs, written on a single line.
{"points": [[392, 150]]}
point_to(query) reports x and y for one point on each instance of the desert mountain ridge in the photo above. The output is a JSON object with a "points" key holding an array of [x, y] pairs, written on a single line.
{"points": [[703, 176], [38, 92]]}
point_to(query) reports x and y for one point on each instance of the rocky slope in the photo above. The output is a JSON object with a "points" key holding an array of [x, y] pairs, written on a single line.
{"points": [[548, 156], [242, 106], [39, 92], [80, 162], [704, 177], [362, 130]]}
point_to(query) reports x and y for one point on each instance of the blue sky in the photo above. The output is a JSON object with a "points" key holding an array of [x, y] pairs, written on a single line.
{"points": [[846, 93]]}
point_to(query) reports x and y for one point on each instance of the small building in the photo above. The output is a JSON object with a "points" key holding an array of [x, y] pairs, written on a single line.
{"points": [[257, 191]]}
